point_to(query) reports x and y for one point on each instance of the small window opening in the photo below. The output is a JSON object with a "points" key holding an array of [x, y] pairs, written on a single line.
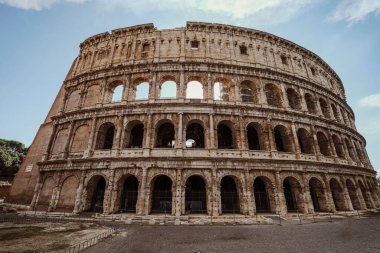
{"points": [[284, 60], [243, 50], [194, 44]]}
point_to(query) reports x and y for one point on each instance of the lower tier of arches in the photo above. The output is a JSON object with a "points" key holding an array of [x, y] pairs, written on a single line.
{"points": [[213, 192]]}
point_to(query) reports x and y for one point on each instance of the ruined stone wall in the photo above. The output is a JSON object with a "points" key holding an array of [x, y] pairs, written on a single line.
{"points": [[284, 107]]}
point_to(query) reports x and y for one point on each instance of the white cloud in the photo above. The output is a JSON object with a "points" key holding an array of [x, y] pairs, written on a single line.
{"points": [[353, 11], [36, 4], [370, 101]]}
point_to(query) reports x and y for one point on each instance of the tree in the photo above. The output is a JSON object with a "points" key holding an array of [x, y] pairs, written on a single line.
{"points": [[11, 155]]}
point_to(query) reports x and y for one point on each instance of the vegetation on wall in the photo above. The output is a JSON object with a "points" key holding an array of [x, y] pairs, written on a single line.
{"points": [[11, 155]]}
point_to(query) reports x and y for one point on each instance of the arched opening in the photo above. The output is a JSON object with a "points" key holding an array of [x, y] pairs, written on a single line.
{"points": [[247, 92], [294, 99], [142, 91], [162, 195], [134, 135], [350, 149], [194, 90], [358, 151], [323, 144], [80, 139], [318, 195], [352, 192], [282, 140], [92, 95], [128, 198], [293, 195], [195, 136], [195, 195], [364, 194], [273, 95], [67, 194], [225, 138], [106, 135], [253, 138], [117, 93], [220, 91], [338, 146], [335, 112], [229, 195], [310, 103], [337, 195], [95, 194], [261, 195], [165, 136], [305, 141], [168, 90], [324, 108]]}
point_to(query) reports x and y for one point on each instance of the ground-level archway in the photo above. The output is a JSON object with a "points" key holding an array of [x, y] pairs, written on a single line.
{"points": [[162, 195], [318, 195], [337, 195], [129, 195], [95, 194], [352, 193], [229, 195], [195, 195], [293, 195]]}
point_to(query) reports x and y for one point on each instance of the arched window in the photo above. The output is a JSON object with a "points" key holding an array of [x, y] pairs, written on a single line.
{"points": [[80, 139], [195, 195], [117, 93], [310, 103], [294, 99], [324, 108], [134, 135], [142, 91], [220, 91], [165, 136], [337, 195], [323, 144], [194, 90], [246, 92], [358, 151], [282, 139], [195, 136], [305, 141], [318, 195], [273, 95], [338, 146], [350, 149], [168, 90], [95, 194], [229, 195], [105, 136], [335, 112], [225, 138], [253, 137], [129, 194], [162, 195]]}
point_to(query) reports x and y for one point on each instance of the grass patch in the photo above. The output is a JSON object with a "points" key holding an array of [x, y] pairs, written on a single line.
{"points": [[13, 233]]}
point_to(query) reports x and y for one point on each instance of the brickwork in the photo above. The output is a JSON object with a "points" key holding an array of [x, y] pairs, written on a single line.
{"points": [[269, 131]]}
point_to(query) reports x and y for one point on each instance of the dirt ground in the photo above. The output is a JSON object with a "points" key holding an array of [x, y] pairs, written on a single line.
{"points": [[45, 237]]}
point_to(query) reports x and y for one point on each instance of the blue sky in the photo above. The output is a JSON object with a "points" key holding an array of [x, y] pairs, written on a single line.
{"points": [[40, 39]]}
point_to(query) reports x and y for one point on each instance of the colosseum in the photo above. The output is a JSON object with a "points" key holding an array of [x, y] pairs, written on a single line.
{"points": [[207, 119]]}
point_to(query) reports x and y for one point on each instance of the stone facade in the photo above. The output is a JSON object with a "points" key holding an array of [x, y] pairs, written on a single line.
{"points": [[209, 118]]}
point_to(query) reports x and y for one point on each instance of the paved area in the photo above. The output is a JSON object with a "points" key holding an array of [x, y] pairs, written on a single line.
{"points": [[344, 235]]}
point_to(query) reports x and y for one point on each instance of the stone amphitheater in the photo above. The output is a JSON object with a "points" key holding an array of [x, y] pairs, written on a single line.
{"points": [[207, 119]]}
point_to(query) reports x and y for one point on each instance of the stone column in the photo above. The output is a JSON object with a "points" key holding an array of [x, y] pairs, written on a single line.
{"points": [[281, 202], [308, 202], [107, 202], [329, 197], [141, 208], [68, 141], [210, 90], [331, 145], [178, 194], [37, 191], [271, 144], [215, 210], [179, 141], [152, 88], [262, 97], [346, 195], [315, 143], [212, 132], [182, 86], [243, 135], [249, 194], [296, 143], [88, 151], [51, 141], [285, 100], [127, 87], [119, 129], [78, 206]]}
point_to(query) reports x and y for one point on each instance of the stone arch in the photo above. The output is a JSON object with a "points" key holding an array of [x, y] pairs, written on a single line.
{"points": [[293, 194], [230, 195], [273, 95], [310, 103], [127, 194], [162, 194], [294, 99], [221, 89], [60, 141], [105, 136], [168, 89], [337, 194], [352, 193], [364, 192], [134, 134], [194, 89], [226, 135], [95, 192], [248, 92], [73, 100], [114, 91], [282, 139], [92, 95], [305, 141], [196, 194], [195, 134], [349, 148], [68, 192], [335, 112], [263, 191], [46, 193], [80, 138], [338, 146], [318, 195], [165, 134], [323, 144], [141, 89], [359, 152], [255, 136], [324, 108]]}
